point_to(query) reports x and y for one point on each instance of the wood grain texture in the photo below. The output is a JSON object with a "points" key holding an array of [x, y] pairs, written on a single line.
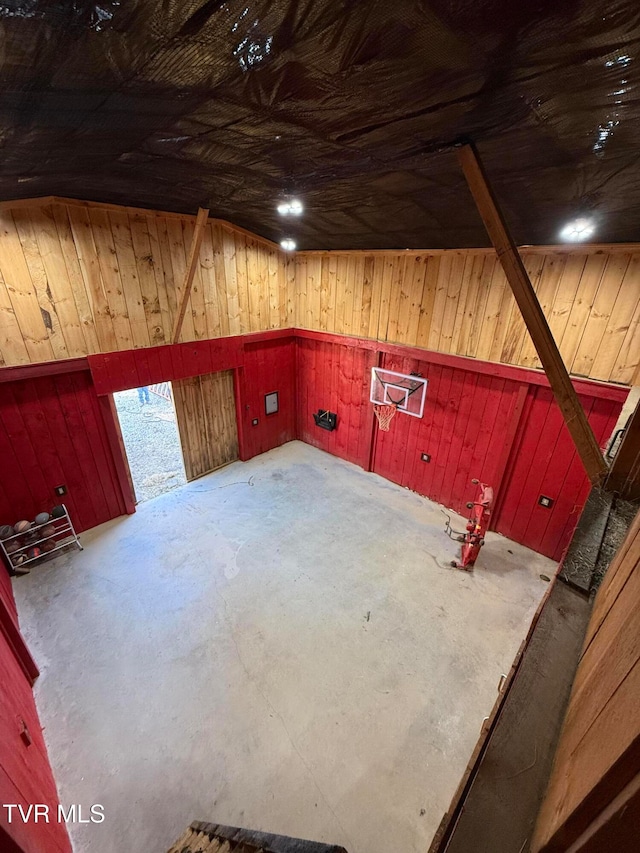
{"points": [[599, 748], [459, 302], [52, 432], [78, 278], [206, 415], [504, 430], [25, 773], [192, 264]]}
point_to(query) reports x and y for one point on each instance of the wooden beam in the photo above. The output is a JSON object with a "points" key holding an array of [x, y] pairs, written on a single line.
{"points": [[534, 318], [192, 260], [624, 475]]}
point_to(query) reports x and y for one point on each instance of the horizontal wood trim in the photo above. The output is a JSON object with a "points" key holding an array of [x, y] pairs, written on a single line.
{"points": [[603, 390], [46, 368], [459, 302], [504, 371], [552, 248]]}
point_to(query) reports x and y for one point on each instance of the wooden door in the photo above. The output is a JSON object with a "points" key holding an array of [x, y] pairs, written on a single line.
{"points": [[206, 414]]}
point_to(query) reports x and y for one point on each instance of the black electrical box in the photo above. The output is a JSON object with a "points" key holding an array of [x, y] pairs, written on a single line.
{"points": [[326, 420]]}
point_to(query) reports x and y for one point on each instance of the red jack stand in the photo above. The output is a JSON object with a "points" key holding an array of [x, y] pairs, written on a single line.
{"points": [[473, 539]]}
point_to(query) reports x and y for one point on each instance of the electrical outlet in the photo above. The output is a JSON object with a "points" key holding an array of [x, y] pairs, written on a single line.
{"points": [[254, 422], [425, 457], [545, 501], [60, 491]]}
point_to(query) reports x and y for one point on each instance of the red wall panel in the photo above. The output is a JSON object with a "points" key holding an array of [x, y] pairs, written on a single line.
{"points": [[119, 371], [25, 772], [268, 366], [505, 430], [458, 430], [52, 433], [335, 377], [265, 361], [544, 462]]}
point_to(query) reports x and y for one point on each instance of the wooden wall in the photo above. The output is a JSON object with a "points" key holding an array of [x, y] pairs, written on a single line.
{"points": [[79, 278], [206, 415], [595, 778], [335, 376], [459, 302], [264, 362]]}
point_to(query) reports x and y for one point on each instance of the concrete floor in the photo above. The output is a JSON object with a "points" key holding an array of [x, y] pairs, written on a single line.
{"points": [[279, 645]]}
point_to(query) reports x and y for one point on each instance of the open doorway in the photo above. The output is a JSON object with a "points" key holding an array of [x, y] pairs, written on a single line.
{"points": [[150, 434]]}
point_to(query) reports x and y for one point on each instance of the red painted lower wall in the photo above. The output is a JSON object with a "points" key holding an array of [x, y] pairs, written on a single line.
{"points": [[52, 433], [335, 377], [544, 461], [267, 366], [497, 423], [264, 362], [25, 773], [458, 430], [502, 429]]}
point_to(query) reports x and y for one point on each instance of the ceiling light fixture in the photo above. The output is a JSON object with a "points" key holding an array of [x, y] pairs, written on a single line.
{"points": [[290, 208], [288, 244], [578, 230]]}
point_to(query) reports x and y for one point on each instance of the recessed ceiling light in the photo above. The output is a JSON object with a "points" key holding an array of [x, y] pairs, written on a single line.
{"points": [[293, 207], [579, 229], [288, 244]]}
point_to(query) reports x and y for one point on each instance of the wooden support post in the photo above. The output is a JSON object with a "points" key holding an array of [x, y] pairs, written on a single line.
{"points": [[534, 318], [624, 476], [192, 260]]}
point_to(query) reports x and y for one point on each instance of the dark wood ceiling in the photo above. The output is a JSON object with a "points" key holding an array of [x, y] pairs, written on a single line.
{"points": [[351, 106]]}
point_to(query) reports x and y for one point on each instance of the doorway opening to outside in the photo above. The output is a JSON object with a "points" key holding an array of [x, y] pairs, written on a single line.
{"points": [[150, 434]]}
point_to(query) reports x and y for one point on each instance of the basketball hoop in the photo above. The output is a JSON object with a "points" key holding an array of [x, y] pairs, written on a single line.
{"points": [[385, 414]]}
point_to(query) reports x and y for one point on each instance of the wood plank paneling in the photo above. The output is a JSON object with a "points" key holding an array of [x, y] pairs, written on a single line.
{"points": [[206, 415], [597, 756], [78, 278], [334, 377], [467, 416], [459, 302], [52, 433], [544, 462], [268, 366], [25, 773]]}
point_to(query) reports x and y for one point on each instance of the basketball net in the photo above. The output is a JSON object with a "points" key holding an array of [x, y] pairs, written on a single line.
{"points": [[385, 414]]}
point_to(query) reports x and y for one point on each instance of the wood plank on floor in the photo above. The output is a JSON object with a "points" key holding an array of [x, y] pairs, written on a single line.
{"points": [[217, 838]]}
